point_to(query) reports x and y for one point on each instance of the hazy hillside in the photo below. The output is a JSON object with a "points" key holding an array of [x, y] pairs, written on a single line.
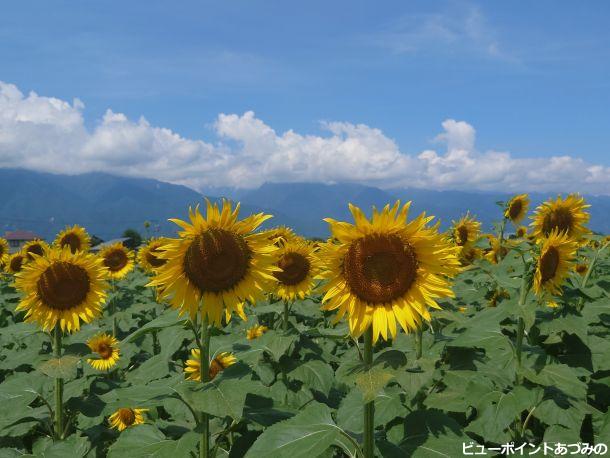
{"points": [[106, 205], [310, 202]]}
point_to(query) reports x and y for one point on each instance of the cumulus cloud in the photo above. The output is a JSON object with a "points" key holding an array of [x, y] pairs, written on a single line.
{"points": [[49, 134]]}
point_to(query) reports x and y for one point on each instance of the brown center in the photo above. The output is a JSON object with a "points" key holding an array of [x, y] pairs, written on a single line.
{"points": [[295, 268], [559, 218], [217, 260], [34, 249], [520, 232], [153, 260], [515, 209], [380, 268], [16, 263], [127, 416], [549, 262], [104, 350], [72, 240], [115, 260], [63, 285], [581, 268], [216, 367], [462, 235]]}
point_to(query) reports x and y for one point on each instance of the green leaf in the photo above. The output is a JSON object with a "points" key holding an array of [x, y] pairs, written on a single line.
{"points": [[316, 375], [388, 406], [308, 434], [73, 446], [371, 382], [168, 319], [64, 367], [561, 376], [147, 441], [431, 433]]}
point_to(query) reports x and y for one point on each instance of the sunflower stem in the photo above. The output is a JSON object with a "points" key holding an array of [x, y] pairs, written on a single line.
{"points": [[204, 351], [113, 308], [502, 228], [286, 313], [369, 407], [585, 279], [419, 337], [59, 386], [521, 324]]}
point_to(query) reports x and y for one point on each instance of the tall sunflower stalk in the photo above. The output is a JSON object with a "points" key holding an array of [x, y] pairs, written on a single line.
{"points": [[381, 272], [60, 289], [216, 264]]}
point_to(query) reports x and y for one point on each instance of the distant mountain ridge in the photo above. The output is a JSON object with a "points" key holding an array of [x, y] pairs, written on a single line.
{"points": [[107, 205]]}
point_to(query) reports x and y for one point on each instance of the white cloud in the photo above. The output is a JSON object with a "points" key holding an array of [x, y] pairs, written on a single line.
{"points": [[461, 27], [48, 134]]}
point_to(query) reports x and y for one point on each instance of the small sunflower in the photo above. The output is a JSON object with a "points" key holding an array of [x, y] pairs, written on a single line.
{"points": [[62, 287], [497, 250], [126, 417], [581, 268], [280, 235], [117, 259], [107, 347], [256, 331], [217, 263], [516, 209], [386, 270], [297, 267], [4, 253], [75, 237], [15, 263], [556, 259], [468, 254], [148, 255], [552, 304], [567, 215], [466, 230], [521, 232], [35, 247], [219, 363]]}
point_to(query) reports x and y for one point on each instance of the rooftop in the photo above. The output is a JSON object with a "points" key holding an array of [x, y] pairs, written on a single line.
{"points": [[21, 235]]}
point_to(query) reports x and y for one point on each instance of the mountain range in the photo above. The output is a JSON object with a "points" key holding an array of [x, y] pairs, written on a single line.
{"points": [[107, 205]]}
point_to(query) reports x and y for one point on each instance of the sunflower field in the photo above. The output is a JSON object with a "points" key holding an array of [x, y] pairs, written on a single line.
{"points": [[390, 339]]}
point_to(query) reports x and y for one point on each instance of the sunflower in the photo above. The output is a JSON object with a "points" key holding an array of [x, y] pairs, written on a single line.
{"points": [[107, 347], [468, 254], [521, 232], [516, 209], [218, 364], [466, 230], [75, 237], [4, 252], [552, 304], [256, 331], [35, 247], [581, 268], [386, 270], [117, 259], [15, 263], [148, 255], [297, 267], [566, 215], [555, 262], [280, 235], [497, 250], [126, 417], [62, 287], [217, 263]]}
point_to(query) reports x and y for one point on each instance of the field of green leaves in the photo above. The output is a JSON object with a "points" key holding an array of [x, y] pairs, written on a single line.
{"points": [[300, 392]]}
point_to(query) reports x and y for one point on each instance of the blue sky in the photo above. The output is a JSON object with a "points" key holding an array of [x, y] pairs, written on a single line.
{"points": [[532, 78]]}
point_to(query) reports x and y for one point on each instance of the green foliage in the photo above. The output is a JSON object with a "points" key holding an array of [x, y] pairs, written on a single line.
{"points": [[300, 393]]}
